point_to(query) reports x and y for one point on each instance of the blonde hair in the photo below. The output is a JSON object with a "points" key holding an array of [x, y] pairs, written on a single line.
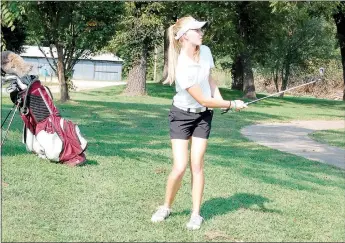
{"points": [[175, 48]]}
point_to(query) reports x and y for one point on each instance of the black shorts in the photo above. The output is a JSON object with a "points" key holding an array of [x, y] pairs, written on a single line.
{"points": [[185, 124]]}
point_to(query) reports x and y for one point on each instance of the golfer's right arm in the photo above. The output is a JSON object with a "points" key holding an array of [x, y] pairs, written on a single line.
{"points": [[196, 93]]}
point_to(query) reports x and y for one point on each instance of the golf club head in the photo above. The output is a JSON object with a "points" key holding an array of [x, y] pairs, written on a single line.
{"points": [[12, 87], [8, 79], [21, 83]]}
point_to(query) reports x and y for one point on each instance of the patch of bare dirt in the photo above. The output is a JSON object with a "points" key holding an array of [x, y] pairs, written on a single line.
{"points": [[160, 170], [325, 89]]}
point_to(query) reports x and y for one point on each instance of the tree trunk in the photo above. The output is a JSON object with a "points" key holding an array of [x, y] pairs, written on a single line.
{"points": [[339, 19], [242, 76], [64, 96], [136, 84], [275, 73], [155, 65], [242, 69], [166, 48], [248, 78], [237, 74], [285, 79]]}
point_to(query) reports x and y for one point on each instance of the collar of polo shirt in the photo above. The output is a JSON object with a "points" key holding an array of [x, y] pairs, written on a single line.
{"points": [[194, 24]]}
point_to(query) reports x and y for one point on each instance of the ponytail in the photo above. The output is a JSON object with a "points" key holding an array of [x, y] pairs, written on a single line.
{"points": [[174, 49], [173, 52]]}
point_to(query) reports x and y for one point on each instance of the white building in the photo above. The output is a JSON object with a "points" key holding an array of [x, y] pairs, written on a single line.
{"points": [[105, 66]]}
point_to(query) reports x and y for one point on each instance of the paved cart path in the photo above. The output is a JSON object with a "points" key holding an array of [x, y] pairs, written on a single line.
{"points": [[293, 138]]}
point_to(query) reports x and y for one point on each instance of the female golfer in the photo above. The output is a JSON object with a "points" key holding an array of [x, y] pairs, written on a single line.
{"points": [[191, 112]]}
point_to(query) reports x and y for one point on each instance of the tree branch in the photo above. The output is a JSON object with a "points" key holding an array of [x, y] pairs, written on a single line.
{"points": [[51, 53], [52, 67], [74, 60]]}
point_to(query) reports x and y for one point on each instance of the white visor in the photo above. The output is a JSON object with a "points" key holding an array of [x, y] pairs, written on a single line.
{"points": [[189, 26]]}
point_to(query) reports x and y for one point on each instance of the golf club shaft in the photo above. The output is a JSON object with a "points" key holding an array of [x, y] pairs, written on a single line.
{"points": [[7, 115], [251, 102], [8, 127]]}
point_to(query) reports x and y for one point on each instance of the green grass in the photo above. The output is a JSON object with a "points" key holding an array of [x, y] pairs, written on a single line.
{"points": [[252, 193], [332, 137]]}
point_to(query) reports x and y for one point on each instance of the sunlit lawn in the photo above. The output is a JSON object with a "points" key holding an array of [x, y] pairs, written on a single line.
{"points": [[332, 137], [252, 193]]}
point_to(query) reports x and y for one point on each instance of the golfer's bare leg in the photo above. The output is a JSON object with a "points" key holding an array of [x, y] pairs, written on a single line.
{"points": [[198, 149], [180, 157]]}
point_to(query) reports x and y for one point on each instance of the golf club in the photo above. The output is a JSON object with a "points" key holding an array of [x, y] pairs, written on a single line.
{"points": [[321, 70], [9, 124]]}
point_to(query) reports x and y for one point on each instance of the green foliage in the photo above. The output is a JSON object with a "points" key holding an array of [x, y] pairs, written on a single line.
{"points": [[313, 8], [220, 32], [82, 28], [141, 26], [76, 29], [10, 12], [225, 36], [159, 63], [276, 33], [298, 41], [13, 40]]}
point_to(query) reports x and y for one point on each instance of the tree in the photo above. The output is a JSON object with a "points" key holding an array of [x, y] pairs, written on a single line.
{"points": [[299, 39], [333, 11], [339, 19], [242, 72], [236, 31], [11, 15], [140, 30], [14, 39], [171, 10], [73, 29]]}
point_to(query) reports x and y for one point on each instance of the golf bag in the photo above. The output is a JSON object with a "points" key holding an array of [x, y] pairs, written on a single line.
{"points": [[45, 132]]}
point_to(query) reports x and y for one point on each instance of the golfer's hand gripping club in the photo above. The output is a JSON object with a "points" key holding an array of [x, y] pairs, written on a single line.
{"points": [[236, 105]]}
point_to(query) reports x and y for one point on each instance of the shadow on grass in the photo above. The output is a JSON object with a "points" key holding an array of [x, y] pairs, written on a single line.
{"points": [[139, 131], [89, 162], [221, 206], [12, 148], [274, 167]]}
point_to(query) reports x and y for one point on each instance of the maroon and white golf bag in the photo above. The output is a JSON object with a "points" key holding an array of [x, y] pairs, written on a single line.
{"points": [[45, 132]]}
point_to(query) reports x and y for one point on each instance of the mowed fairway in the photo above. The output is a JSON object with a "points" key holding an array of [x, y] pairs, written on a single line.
{"points": [[252, 193]]}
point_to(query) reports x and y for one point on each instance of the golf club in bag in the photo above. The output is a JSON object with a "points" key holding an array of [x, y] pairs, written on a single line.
{"points": [[45, 132], [321, 70]]}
